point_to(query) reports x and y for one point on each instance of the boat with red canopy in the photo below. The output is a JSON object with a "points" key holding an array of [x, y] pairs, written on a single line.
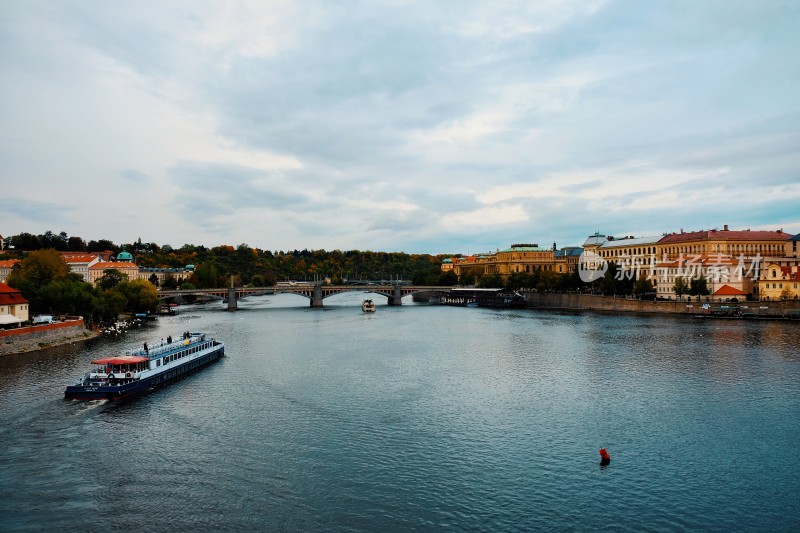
{"points": [[139, 370]]}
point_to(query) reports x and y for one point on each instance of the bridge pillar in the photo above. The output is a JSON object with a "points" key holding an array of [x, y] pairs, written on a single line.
{"points": [[316, 297], [397, 296], [231, 299]]}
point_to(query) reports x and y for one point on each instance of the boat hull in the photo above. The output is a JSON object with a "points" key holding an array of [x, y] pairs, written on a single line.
{"points": [[118, 392]]}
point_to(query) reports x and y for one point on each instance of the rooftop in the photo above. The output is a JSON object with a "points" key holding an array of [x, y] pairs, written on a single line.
{"points": [[725, 234], [618, 242]]}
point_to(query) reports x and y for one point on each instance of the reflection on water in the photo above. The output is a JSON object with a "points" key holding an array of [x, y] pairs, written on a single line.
{"points": [[418, 417]]}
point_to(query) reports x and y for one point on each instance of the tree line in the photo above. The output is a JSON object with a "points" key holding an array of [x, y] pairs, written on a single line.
{"points": [[45, 280]]}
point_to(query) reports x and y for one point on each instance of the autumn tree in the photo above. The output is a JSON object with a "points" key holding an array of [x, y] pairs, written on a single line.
{"points": [[140, 295], [38, 269]]}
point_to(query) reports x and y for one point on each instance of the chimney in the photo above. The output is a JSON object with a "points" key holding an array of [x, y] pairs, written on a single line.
{"points": [[682, 231], [725, 227]]}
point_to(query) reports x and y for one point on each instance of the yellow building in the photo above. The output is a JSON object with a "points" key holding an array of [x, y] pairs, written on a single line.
{"points": [[730, 260], [519, 258], [725, 242], [779, 282], [160, 275], [131, 270]]}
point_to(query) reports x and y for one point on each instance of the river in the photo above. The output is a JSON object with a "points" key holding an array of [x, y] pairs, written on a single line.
{"points": [[418, 417]]}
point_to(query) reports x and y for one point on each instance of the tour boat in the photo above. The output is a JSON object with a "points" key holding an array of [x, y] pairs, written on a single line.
{"points": [[368, 306], [138, 370]]}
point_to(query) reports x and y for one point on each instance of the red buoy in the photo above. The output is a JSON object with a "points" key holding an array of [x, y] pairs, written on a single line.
{"points": [[604, 457]]}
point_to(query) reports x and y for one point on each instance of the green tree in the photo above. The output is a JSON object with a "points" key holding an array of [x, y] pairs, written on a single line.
{"points": [[643, 286], [699, 287], [69, 296], [110, 304], [140, 295], [447, 279], [111, 278], [680, 287], [470, 276], [491, 281], [170, 282], [25, 241]]}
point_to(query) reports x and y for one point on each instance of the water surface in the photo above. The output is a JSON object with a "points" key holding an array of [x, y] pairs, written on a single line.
{"points": [[416, 418]]}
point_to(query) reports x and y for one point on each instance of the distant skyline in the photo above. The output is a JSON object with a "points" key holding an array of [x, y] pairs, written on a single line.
{"points": [[424, 127]]}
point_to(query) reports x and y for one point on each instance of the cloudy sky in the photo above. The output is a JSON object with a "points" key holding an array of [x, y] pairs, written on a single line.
{"points": [[445, 126]]}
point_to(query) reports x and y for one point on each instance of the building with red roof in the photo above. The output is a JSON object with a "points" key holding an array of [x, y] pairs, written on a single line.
{"points": [[779, 281], [6, 266], [724, 241], [97, 270], [13, 307], [79, 262]]}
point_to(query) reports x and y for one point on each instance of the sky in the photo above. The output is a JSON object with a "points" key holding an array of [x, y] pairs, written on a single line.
{"points": [[425, 127]]}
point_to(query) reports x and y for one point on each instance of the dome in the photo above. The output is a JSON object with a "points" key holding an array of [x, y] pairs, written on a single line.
{"points": [[124, 256]]}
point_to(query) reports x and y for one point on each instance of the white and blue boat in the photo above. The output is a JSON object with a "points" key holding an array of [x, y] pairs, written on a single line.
{"points": [[139, 370]]}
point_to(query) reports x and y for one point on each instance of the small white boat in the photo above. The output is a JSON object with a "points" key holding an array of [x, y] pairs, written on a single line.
{"points": [[368, 306]]}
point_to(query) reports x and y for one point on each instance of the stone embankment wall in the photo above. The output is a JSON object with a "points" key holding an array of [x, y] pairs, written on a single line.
{"points": [[32, 338], [593, 302]]}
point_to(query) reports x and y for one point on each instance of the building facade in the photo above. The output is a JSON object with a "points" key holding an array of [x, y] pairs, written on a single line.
{"points": [[157, 276], [6, 266], [519, 258], [79, 263], [779, 282], [131, 270], [13, 307]]}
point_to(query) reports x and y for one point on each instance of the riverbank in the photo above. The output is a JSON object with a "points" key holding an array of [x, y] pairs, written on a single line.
{"points": [[596, 302], [32, 338]]}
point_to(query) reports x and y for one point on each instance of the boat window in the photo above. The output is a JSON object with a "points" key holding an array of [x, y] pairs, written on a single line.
{"points": [[158, 362]]}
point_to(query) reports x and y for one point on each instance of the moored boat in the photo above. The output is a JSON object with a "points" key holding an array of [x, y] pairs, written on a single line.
{"points": [[139, 370], [368, 306]]}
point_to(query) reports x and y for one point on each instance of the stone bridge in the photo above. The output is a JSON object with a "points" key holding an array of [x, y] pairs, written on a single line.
{"points": [[315, 293]]}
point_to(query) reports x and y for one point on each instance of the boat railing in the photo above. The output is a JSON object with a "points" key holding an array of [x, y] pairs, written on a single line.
{"points": [[159, 349]]}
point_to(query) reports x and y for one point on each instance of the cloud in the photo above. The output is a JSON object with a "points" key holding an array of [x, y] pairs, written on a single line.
{"points": [[397, 125]]}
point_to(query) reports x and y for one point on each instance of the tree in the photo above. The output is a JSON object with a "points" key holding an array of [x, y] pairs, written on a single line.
{"points": [[680, 287], [643, 286], [101, 246], [39, 268], [470, 276], [699, 287], [76, 244], [140, 294], [110, 305], [448, 279], [111, 278], [170, 283], [69, 296], [25, 241], [491, 281]]}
